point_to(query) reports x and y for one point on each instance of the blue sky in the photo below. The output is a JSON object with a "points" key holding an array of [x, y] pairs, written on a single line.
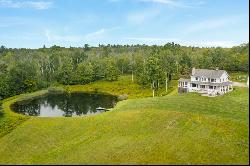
{"points": [[33, 23]]}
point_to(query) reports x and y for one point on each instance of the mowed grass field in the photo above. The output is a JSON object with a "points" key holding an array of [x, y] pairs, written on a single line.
{"points": [[172, 129], [124, 85]]}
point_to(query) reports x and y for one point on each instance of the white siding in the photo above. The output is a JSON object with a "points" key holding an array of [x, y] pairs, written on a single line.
{"points": [[193, 78], [224, 77]]}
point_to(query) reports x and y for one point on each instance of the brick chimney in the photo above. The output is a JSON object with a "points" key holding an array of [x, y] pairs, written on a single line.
{"points": [[193, 71]]}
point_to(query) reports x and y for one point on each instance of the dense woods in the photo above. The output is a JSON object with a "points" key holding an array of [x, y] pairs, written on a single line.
{"points": [[26, 70]]}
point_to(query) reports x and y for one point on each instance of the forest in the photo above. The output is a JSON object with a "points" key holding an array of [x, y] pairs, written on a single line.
{"points": [[27, 70]]}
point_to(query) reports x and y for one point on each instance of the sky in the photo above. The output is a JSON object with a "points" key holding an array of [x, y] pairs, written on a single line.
{"points": [[203, 23]]}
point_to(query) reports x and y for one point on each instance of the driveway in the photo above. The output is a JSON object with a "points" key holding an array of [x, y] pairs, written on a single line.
{"points": [[239, 84]]}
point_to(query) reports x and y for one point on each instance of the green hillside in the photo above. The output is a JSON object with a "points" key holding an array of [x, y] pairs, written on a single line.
{"points": [[172, 129]]}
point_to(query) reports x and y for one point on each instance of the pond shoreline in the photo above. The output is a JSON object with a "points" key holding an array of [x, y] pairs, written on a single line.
{"points": [[123, 86], [7, 103], [11, 119], [65, 104]]}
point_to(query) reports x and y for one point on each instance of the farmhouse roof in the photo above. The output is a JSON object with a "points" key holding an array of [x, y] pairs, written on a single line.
{"points": [[208, 73]]}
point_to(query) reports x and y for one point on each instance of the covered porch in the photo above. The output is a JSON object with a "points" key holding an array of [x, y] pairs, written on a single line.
{"points": [[215, 88]]}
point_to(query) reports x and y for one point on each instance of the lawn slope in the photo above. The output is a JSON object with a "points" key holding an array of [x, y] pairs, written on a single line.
{"points": [[184, 129]]}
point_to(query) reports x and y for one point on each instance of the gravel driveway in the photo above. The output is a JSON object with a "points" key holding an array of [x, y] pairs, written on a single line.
{"points": [[239, 84]]}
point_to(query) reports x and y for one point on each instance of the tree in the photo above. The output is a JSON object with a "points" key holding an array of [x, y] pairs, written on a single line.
{"points": [[153, 71], [65, 74], [111, 72], [132, 65], [23, 70], [86, 47], [99, 68], [84, 73], [3, 69], [5, 90], [23, 77], [123, 64], [2, 49]]}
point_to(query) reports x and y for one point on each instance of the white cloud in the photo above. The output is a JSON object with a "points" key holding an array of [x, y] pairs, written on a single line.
{"points": [[69, 38], [77, 38], [95, 35], [39, 5], [212, 24]]}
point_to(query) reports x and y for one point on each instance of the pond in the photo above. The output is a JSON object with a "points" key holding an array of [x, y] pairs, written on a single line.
{"points": [[68, 105]]}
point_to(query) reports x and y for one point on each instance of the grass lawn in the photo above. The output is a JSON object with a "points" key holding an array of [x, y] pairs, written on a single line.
{"points": [[124, 85], [239, 77], [172, 129]]}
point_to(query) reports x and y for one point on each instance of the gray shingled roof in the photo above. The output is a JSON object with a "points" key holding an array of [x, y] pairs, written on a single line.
{"points": [[208, 73]]}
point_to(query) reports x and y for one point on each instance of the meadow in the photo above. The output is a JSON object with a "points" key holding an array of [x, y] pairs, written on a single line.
{"points": [[168, 129]]}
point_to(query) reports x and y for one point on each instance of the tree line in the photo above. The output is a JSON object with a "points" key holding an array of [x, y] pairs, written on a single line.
{"points": [[26, 70]]}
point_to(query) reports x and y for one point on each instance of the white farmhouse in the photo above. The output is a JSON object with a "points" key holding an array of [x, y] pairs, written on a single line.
{"points": [[210, 82]]}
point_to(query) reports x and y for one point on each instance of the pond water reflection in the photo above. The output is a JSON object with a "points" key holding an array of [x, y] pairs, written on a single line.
{"points": [[56, 105]]}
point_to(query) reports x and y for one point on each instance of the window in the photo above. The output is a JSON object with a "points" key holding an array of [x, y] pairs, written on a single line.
{"points": [[212, 80], [193, 85], [186, 83], [196, 78], [202, 86], [211, 87]]}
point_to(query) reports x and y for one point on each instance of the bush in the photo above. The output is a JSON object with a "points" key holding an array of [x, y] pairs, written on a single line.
{"points": [[122, 97], [56, 90]]}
